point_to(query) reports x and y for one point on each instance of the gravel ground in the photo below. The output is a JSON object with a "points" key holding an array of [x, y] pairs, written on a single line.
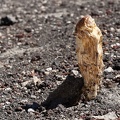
{"points": [[37, 49]]}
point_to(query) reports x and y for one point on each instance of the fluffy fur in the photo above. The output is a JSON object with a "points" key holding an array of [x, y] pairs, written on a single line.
{"points": [[89, 55]]}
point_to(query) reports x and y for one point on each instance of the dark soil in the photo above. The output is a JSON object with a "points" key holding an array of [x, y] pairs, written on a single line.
{"points": [[37, 35]]}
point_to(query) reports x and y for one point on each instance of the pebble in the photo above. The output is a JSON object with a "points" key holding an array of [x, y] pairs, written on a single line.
{"points": [[24, 101], [36, 80], [8, 66], [43, 9], [69, 22], [118, 44], [118, 30], [112, 29], [111, 35], [106, 53], [72, 14], [115, 45], [117, 76], [8, 89], [39, 91], [23, 72], [109, 69], [33, 96], [31, 110], [61, 77], [54, 71], [2, 104], [47, 73], [80, 119], [8, 103], [75, 72], [35, 11], [49, 69], [58, 82], [116, 38]]}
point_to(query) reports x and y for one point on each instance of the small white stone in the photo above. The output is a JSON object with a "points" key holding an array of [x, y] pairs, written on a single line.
{"points": [[47, 73], [112, 55], [109, 69], [39, 91], [54, 71], [106, 53], [31, 110], [43, 8], [116, 38], [68, 22], [19, 43], [111, 34], [72, 14], [49, 69], [2, 104], [33, 96], [75, 72], [112, 29], [61, 76], [8, 89], [117, 76], [118, 30], [40, 28], [58, 82], [35, 11], [24, 101], [81, 16], [36, 80], [118, 44], [8, 103], [9, 66], [23, 72]]}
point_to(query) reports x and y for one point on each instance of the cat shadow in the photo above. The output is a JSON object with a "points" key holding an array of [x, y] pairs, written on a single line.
{"points": [[68, 93]]}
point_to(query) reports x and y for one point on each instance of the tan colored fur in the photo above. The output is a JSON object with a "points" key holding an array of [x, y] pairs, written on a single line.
{"points": [[89, 55]]}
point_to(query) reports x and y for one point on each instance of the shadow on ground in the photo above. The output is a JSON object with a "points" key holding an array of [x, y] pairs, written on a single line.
{"points": [[67, 94]]}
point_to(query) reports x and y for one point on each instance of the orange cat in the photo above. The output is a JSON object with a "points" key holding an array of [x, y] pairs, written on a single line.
{"points": [[89, 55]]}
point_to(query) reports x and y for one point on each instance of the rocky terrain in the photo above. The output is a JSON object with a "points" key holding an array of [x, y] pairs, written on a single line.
{"points": [[39, 74]]}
